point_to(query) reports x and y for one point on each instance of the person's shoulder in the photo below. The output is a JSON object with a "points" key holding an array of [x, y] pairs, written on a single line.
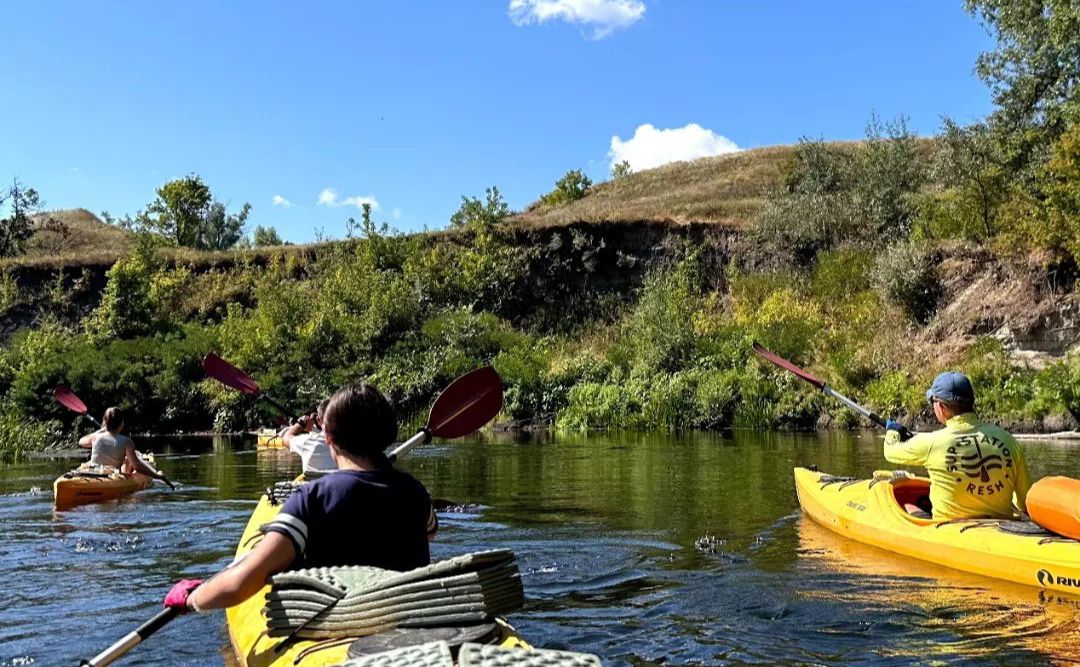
{"points": [[993, 430], [414, 484]]}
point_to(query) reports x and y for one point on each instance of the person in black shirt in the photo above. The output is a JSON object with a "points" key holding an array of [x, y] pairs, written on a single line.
{"points": [[364, 513]]}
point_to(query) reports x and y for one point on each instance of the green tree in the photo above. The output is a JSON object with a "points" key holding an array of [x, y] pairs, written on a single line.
{"points": [[265, 236], [486, 213], [888, 172], [972, 184], [571, 187], [620, 169], [1034, 74], [17, 227], [186, 214]]}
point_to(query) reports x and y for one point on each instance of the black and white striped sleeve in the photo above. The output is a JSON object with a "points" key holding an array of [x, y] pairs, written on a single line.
{"points": [[291, 521]]}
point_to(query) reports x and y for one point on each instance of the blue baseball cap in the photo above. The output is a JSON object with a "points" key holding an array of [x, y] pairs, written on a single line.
{"points": [[951, 387]]}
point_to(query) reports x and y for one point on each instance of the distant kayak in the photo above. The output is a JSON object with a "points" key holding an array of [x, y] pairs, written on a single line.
{"points": [[269, 440], [89, 484], [871, 511]]}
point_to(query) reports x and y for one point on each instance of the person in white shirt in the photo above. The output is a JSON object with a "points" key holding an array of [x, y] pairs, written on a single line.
{"points": [[307, 439]]}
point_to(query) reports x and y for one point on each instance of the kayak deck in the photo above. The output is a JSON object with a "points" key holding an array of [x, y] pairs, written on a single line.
{"points": [[871, 512], [247, 625]]}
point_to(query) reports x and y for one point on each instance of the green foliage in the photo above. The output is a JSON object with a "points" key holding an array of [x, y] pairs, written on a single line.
{"points": [[1032, 75], [896, 395], [971, 185], [19, 435], [841, 274], [265, 236], [620, 170], [571, 187], [483, 214], [887, 174], [815, 210], [9, 292], [128, 308], [659, 333], [17, 227], [904, 275], [186, 214]]}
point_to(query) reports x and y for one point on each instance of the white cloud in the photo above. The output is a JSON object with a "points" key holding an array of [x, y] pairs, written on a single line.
{"points": [[282, 202], [330, 197], [603, 16], [396, 213], [650, 147]]}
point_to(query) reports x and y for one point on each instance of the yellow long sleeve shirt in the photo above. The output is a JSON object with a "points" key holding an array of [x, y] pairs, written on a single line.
{"points": [[976, 469]]}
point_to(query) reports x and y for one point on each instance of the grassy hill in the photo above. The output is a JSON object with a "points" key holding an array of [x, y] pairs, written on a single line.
{"points": [[84, 241], [727, 189]]}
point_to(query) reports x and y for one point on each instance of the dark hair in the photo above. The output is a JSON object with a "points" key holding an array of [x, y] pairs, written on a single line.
{"points": [[360, 420], [959, 407], [113, 419], [320, 409]]}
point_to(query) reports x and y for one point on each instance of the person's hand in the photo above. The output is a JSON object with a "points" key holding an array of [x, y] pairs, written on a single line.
{"points": [[891, 425], [178, 595]]}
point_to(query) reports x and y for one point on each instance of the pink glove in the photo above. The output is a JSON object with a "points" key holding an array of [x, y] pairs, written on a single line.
{"points": [[178, 596]]}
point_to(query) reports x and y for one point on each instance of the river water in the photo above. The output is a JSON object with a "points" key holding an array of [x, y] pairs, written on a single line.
{"points": [[604, 528]]}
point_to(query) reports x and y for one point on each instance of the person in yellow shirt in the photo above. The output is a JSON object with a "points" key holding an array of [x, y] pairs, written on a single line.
{"points": [[977, 470]]}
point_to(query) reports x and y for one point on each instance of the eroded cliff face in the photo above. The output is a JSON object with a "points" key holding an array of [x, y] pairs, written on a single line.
{"points": [[1029, 305]]}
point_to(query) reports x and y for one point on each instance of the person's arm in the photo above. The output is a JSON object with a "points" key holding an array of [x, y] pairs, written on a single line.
{"points": [[297, 433], [432, 523], [136, 464], [237, 583], [88, 439], [1023, 478], [911, 452]]}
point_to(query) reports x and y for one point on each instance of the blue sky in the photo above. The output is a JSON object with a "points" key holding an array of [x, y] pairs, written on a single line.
{"points": [[415, 104]]}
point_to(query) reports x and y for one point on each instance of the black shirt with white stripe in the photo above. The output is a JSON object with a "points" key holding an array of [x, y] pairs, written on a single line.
{"points": [[359, 517]]}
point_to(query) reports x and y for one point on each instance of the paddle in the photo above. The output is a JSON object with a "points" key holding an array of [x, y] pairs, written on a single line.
{"points": [[233, 377], [463, 407], [820, 384], [69, 400], [468, 403], [131, 639]]}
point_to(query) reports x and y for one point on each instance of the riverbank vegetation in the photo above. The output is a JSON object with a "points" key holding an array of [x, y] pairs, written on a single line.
{"points": [[628, 304]]}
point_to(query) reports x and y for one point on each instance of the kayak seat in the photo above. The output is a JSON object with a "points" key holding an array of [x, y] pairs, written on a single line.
{"points": [[913, 496]]}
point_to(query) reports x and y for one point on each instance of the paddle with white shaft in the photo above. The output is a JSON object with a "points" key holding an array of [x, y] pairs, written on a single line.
{"points": [[779, 361]]}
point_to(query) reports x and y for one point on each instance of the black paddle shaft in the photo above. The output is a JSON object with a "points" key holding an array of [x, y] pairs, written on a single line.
{"points": [[131, 639]]}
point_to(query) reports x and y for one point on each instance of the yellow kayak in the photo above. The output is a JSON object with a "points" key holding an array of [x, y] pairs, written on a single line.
{"points": [[871, 511], [247, 626], [268, 439], [94, 484]]}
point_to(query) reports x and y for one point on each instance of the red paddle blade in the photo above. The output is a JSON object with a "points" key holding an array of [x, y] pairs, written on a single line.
{"points": [[69, 400], [787, 366], [468, 403], [228, 375]]}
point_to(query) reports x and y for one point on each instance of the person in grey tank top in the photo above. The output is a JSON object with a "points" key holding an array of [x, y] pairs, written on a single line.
{"points": [[109, 447]]}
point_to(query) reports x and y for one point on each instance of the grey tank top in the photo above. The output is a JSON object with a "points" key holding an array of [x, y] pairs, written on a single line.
{"points": [[110, 449]]}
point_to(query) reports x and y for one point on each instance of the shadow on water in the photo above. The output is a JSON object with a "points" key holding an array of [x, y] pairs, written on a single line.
{"points": [[605, 530]]}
